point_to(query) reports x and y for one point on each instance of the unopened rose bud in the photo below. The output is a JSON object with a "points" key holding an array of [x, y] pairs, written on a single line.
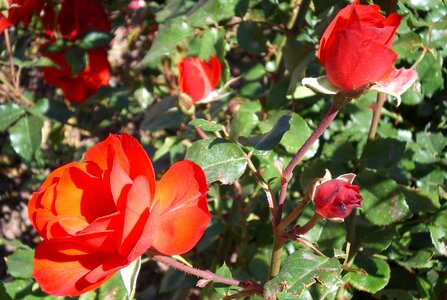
{"points": [[335, 198], [185, 104]]}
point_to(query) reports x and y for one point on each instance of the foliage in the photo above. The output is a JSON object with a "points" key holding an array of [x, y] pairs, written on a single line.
{"points": [[395, 247]]}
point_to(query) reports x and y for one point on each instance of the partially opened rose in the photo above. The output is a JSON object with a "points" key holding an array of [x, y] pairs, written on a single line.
{"points": [[356, 51], [335, 198], [78, 87], [99, 215], [198, 78]]}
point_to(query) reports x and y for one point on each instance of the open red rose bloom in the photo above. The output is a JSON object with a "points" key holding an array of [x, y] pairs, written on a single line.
{"points": [[356, 51], [78, 87], [99, 215], [72, 23], [198, 78], [336, 198]]}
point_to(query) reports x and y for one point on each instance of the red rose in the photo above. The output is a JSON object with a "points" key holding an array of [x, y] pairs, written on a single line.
{"points": [[198, 78], [76, 17], [99, 215], [356, 51], [4, 23], [20, 11], [77, 88], [336, 198]]}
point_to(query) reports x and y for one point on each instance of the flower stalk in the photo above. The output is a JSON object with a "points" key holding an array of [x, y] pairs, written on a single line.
{"points": [[278, 242]]}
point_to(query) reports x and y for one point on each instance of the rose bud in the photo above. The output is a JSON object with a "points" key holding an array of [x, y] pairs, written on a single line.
{"points": [[335, 198], [78, 87], [198, 78], [97, 216], [356, 51]]}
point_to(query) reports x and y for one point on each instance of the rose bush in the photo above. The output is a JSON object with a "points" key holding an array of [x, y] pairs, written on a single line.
{"points": [[198, 78], [99, 215]]}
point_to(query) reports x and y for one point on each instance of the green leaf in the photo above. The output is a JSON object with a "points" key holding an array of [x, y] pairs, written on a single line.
{"points": [[277, 96], [383, 203], [430, 74], [223, 289], [162, 115], [406, 46], [76, 59], [383, 153], [220, 159], [429, 147], [9, 113], [375, 239], [17, 288], [271, 139], [211, 12], [129, 275], [378, 274], [13, 243], [206, 125], [95, 39], [395, 294], [251, 38], [302, 269], [165, 148], [3, 294], [169, 35], [295, 137], [56, 110], [438, 232], [208, 42], [113, 289], [20, 264], [420, 201], [243, 124], [26, 136], [419, 259]]}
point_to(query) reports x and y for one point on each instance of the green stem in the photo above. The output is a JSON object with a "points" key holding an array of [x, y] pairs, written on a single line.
{"points": [[294, 214], [275, 264]]}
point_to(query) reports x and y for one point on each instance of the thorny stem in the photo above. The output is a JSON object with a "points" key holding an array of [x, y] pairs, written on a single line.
{"points": [[278, 242], [8, 50], [205, 274], [280, 238], [300, 230], [263, 183], [294, 214], [288, 172], [381, 98]]}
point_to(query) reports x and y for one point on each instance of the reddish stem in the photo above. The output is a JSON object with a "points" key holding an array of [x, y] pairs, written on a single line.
{"points": [[205, 274], [288, 172]]}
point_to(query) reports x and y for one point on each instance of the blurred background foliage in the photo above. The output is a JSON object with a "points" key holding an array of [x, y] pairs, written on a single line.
{"points": [[400, 235]]}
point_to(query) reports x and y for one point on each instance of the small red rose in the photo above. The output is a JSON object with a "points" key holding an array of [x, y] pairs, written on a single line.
{"points": [[198, 78], [97, 216], [78, 87], [335, 198]]}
